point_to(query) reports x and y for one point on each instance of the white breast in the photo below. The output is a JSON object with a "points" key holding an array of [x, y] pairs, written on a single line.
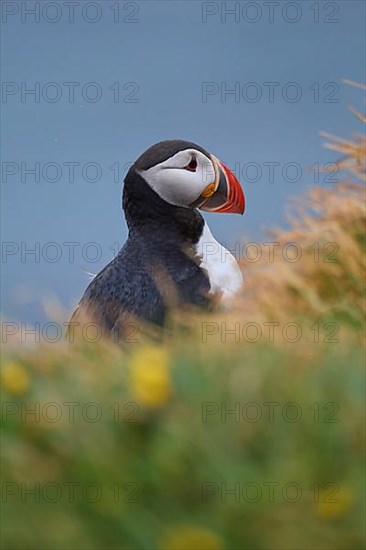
{"points": [[223, 271]]}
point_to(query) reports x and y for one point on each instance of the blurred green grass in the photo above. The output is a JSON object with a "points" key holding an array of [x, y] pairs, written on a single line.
{"points": [[161, 434], [168, 450]]}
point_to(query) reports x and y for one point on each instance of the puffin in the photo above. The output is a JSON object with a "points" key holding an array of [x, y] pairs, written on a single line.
{"points": [[170, 259]]}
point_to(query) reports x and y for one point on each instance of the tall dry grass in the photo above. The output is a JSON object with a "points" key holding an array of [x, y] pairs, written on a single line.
{"points": [[328, 232]]}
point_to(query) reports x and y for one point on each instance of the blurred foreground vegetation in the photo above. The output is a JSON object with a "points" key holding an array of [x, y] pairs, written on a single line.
{"points": [[209, 440]]}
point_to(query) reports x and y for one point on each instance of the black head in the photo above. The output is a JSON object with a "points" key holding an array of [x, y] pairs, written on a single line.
{"points": [[172, 178], [163, 150]]}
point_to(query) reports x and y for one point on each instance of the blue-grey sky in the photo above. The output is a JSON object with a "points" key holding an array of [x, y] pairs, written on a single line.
{"points": [[112, 78]]}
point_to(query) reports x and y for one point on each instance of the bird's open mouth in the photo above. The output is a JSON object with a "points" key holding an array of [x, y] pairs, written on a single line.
{"points": [[225, 194]]}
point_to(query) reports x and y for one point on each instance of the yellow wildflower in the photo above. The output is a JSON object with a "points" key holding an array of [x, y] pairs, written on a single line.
{"points": [[342, 503], [14, 378], [150, 380], [190, 538]]}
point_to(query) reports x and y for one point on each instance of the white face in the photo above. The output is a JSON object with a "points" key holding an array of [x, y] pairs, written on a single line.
{"points": [[182, 178]]}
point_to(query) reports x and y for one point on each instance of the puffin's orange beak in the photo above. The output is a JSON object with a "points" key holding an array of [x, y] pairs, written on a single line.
{"points": [[226, 194]]}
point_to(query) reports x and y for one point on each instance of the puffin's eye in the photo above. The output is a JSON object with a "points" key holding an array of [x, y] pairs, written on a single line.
{"points": [[192, 166]]}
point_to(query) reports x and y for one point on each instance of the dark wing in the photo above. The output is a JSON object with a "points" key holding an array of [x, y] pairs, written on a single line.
{"points": [[121, 291], [141, 284]]}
